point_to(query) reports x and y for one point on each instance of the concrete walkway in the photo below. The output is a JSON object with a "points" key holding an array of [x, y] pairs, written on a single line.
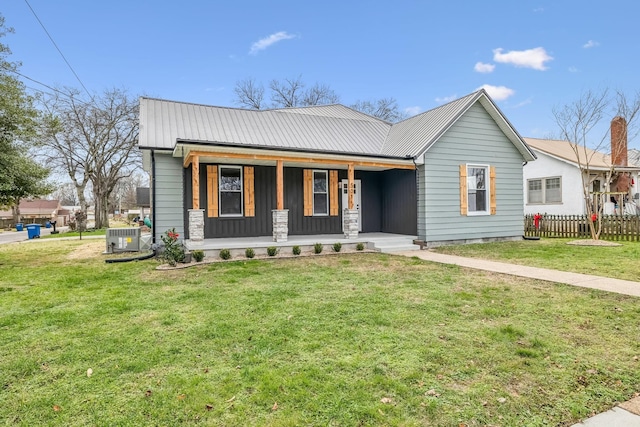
{"points": [[626, 414], [625, 287]]}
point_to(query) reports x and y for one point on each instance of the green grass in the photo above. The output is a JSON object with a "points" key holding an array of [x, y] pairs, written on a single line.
{"points": [[620, 262], [98, 232], [326, 338]]}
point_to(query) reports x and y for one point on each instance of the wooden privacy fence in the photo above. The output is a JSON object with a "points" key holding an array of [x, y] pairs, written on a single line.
{"points": [[614, 227]]}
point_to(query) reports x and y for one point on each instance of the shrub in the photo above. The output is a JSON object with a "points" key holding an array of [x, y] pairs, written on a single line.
{"points": [[360, 246], [272, 251], [173, 251], [249, 253], [317, 248], [337, 246], [198, 255], [225, 253], [296, 250]]}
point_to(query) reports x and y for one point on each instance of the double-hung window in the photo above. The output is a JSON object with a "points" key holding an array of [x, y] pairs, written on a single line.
{"points": [[477, 190], [230, 190], [320, 193], [544, 190]]}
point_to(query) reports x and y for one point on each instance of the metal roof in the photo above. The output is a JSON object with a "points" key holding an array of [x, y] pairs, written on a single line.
{"points": [[330, 128]]}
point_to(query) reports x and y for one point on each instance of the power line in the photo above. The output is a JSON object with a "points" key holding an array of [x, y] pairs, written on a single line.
{"points": [[45, 85], [58, 49]]}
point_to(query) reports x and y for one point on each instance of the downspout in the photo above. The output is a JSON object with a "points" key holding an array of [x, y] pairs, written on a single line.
{"points": [[153, 196]]}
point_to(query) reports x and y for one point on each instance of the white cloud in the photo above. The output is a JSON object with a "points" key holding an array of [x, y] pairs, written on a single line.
{"points": [[412, 111], [498, 93], [481, 67], [446, 99], [531, 58], [538, 10], [573, 69], [590, 44], [264, 43]]}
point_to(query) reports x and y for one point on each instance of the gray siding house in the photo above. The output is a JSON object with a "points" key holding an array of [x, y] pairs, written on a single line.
{"points": [[451, 174]]}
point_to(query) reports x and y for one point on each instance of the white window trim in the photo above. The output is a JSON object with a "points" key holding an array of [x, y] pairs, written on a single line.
{"points": [[241, 214], [487, 185], [543, 188], [313, 191]]}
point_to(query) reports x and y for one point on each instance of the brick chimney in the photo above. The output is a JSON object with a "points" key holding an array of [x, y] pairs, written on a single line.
{"points": [[619, 141]]}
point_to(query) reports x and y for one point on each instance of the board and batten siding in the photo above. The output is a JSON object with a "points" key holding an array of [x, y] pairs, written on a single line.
{"points": [[169, 193], [475, 138]]}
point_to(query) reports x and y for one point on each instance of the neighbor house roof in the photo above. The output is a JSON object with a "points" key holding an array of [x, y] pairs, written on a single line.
{"points": [[331, 128], [634, 157], [564, 150], [41, 208]]}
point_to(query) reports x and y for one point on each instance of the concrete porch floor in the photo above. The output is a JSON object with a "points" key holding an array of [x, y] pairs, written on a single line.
{"points": [[382, 242]]}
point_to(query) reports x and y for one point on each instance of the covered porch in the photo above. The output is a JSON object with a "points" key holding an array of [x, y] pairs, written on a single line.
{"points": [[246, 193], [381, 242]]}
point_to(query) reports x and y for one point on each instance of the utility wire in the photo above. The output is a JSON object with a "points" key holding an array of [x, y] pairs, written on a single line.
{"points": [[45, 85], [58, 49]]}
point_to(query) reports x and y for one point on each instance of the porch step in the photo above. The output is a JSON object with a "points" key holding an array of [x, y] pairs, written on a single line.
{"points": [[395, 245]]}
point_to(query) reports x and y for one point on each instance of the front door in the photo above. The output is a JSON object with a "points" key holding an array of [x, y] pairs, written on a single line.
{"points": [[356, 199]]}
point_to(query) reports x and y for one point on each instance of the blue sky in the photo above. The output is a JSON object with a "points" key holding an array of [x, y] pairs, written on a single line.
{"points": [[531, 56]]}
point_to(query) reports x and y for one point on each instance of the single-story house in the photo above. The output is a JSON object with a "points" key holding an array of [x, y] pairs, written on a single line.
{"points": [[451, 174], [553, 184], [37, 211]]}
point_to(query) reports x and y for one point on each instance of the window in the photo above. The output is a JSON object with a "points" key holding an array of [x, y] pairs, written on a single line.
{"points": [[230, 188], [478, 195], [320, 193], [544, 190]]}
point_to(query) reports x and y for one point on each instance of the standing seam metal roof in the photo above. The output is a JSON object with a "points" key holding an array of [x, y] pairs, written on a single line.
{"points": [[332, 128]]}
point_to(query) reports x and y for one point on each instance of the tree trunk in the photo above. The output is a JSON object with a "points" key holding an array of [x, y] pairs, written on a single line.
{"points": [[16, 211]]}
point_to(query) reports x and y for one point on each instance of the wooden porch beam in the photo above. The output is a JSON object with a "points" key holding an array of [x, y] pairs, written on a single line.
{"points": [[350, 176], [310, 160], [195, 182], [279, 185]]}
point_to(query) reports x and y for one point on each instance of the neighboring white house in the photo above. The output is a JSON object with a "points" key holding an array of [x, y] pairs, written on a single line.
{"points": [[553, 183]]}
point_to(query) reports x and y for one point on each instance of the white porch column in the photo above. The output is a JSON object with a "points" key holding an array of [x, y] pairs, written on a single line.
{"points": [[350, 220], [196, 226], [280, 224]]}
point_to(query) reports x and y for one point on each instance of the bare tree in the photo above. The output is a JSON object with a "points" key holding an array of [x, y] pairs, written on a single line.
{"points": [[249, 94], [577, 121], [93, 142], [285, 93], [384, 108]]}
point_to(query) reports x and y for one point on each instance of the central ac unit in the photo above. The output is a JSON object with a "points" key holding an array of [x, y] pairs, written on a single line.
{"points": [[123, 239]]}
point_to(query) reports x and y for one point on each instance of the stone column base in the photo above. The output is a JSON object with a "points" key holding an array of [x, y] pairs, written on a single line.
{"points": [[280, 225], [196, 226], [350, 222]]}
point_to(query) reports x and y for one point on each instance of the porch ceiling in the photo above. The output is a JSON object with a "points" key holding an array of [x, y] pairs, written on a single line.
{"points": [[261, 157]]}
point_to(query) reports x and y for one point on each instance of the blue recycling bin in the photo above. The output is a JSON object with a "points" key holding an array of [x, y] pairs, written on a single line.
{"points": [[33, 231], [47, 224], [19, 226]]}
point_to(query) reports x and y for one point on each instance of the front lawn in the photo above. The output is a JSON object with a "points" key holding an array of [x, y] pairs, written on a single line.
{"points": [[347, 340], [621, 262]]}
